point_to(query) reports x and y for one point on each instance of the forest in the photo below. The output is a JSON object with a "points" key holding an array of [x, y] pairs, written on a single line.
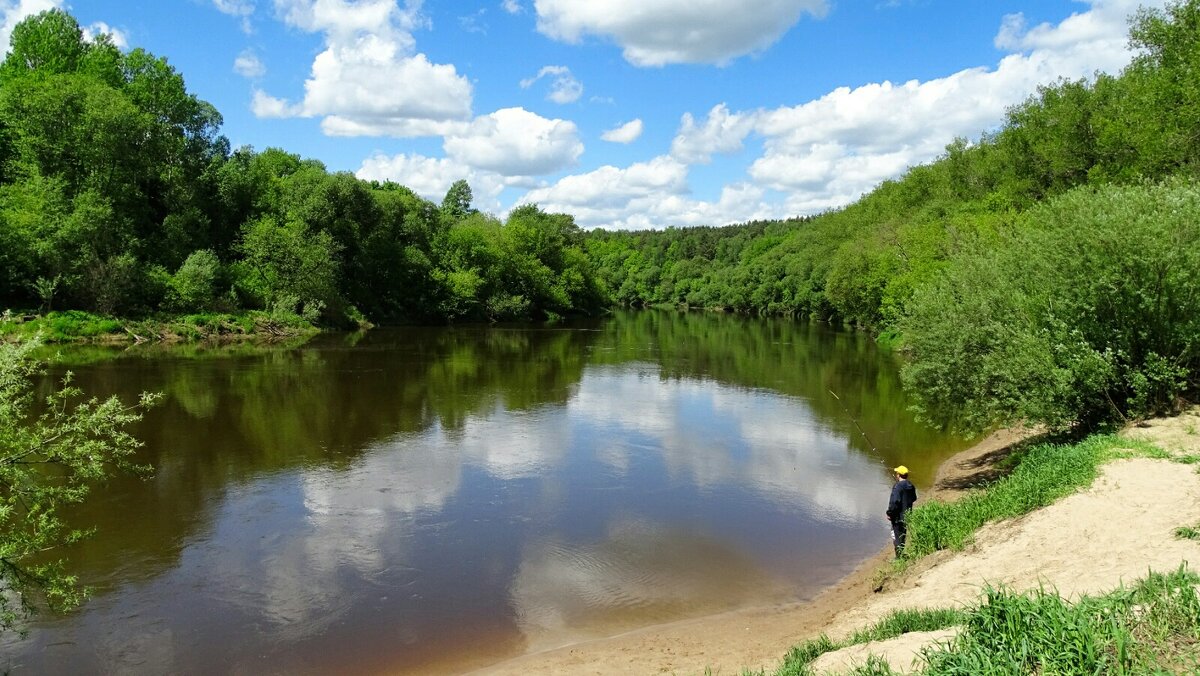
{"points": [[1047, 271], [119, 196]]}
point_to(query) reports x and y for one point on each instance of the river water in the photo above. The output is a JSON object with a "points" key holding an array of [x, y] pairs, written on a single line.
{"points": [[430, 500]]}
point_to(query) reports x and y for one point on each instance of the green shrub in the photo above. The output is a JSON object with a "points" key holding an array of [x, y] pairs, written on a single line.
{"points": [[1046, 473], [1087, 311]]}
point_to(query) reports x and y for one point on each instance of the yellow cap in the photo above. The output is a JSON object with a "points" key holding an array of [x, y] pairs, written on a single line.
{"points": [[901, 470]]}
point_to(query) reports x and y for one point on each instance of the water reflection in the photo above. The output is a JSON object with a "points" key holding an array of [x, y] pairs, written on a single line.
{"points": [[432, 499]]}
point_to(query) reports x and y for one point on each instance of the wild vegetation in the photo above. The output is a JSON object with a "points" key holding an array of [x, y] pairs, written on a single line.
{"points": [[119, 196], [1046, 272], [1151, 627], [49, 460]]}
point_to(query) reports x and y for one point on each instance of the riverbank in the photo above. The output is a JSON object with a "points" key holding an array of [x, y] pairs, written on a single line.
{"points": [[75, 326], [1099, 549]]}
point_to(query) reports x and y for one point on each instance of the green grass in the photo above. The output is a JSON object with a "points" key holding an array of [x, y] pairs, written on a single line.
{"points": [[1152, 627], [62, 327], [1188, 533], [799, 659], [1046, 473], [76, 326]]}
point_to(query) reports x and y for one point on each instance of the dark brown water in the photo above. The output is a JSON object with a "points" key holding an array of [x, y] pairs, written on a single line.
{"points": [[428, 500]]}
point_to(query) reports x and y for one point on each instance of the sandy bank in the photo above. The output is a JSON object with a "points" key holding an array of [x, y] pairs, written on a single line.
{"points": [[1113, 532]]}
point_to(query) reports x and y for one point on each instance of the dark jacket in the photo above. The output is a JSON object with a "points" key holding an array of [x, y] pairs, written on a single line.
{"points": [[904, 494]]}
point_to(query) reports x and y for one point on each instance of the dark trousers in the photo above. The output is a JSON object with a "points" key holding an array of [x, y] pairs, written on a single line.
{"points": [[899, 532]]}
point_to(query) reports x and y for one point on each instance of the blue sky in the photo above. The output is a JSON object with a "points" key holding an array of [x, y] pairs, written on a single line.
{"points": [[624, 113]]}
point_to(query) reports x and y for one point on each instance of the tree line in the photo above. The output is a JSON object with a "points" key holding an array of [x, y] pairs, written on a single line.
{"points": [[1048, 271], [118, 195]]}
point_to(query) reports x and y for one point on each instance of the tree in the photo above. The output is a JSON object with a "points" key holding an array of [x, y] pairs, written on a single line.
{"points": [[50, 42], [47, 462], [457, 203], [286, 263]]}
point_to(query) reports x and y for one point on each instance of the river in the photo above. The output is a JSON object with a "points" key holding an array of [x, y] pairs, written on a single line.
{"points": [[427, 500]]}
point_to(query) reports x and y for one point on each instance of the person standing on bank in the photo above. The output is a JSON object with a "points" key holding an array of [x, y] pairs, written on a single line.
{"points": [[904, 494]]}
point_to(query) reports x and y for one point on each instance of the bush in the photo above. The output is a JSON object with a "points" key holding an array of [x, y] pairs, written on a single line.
{"points": [[1087, 311], [193, 286]]}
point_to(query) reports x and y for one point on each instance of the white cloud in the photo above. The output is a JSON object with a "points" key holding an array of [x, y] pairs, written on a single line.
{"points": [[264, 105], [14, 12], [119, 39], [516, 142], [646, 195], [512, 6], [722, 132], [234, 7], [473, 23], [564, 89], [828, 151], [625, 133], [248, 65], [429, 177], [609, 186], [369, 80], [660, 32], [242, 9]]}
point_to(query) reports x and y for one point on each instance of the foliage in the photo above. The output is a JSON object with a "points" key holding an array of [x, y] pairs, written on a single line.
{"points": [[1088, 309], [1152, 627], [118, 196], [1187, 533], [798, 661], [49, 460]]}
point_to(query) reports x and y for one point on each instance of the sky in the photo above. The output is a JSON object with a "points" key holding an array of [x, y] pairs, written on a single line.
{"points": [[625, 114]]}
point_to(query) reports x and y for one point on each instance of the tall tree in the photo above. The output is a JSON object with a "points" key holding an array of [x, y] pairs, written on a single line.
{"points": [[457, 203]]}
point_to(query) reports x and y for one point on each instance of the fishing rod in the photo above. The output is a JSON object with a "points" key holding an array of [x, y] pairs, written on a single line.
{"points": [[853, 420]]}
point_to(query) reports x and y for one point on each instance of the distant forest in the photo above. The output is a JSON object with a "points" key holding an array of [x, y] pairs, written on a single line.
{"points": [[1048, 271]]}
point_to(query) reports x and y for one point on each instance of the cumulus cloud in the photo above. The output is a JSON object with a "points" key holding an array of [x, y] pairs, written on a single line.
{"points": [[15, 11], [564, 88], [651, 194], [661, 32], [515, 142], [721, 132], [248, 65], [431, 177], [625, 133], [369, 80], [265, 106], [512, 6], [119, 39], [828, 151]]}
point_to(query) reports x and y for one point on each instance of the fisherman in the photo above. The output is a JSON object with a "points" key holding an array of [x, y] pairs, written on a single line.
{"points": [[904, 494]]}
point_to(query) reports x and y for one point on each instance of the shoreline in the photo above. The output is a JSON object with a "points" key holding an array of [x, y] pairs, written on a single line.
{"points": [[762, 635]]}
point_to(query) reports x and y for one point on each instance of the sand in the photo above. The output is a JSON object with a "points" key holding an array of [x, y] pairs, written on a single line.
{"points": [[1092, 541]]}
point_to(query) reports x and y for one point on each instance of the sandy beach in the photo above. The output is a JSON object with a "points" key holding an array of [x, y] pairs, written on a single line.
{"points": [[1112, 532]]}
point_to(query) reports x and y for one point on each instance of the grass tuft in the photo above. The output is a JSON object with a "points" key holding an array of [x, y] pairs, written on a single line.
{"points": [[1187, 533], [1046, 473], [1152, 627]]}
